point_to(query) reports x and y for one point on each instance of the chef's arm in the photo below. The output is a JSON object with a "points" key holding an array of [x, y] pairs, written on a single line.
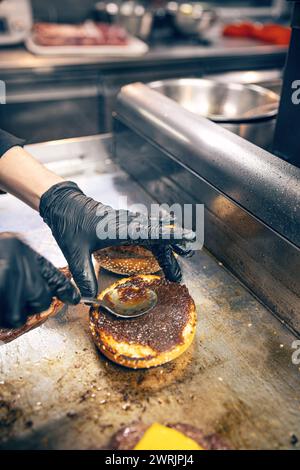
{"points": [[82, 225], [22, 175]]}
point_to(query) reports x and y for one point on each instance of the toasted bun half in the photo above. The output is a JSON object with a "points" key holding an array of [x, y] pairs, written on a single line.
{"points": [[127, 260], [9, 334], [33, 321], [157, 337]]}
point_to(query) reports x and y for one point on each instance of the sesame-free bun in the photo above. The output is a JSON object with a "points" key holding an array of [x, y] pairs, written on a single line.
{"points": [[157, 337], [127, 260]]}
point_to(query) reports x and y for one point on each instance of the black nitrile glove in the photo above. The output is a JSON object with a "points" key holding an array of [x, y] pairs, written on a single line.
{"points": [[78, 223], [28, 282]]}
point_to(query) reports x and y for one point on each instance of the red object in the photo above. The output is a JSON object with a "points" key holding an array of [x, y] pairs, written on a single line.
{"points": [[239, 30], [271, 33]]}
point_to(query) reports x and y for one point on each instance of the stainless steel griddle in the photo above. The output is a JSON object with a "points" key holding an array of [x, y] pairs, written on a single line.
{"points": [[251, 197], [58, 392]]}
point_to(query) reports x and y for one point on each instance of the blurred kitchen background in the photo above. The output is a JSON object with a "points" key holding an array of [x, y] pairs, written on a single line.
{"points": [[54, 95], [76, 10]]}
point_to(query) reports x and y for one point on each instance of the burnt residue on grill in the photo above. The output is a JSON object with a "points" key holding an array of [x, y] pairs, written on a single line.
{"points": [[137, 385], [162, 327], [9, 414]]}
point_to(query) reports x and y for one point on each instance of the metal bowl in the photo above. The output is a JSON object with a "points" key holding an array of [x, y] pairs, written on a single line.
{"points": [[270, 79], [132, 15], [247, 110], [135, 18], [194, 18], [220, 102]]}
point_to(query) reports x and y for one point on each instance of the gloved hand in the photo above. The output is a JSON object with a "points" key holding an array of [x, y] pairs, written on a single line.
{"points": [[82, 226], [28, 282]]}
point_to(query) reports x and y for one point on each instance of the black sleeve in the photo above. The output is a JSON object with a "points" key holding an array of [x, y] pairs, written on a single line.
{"points": [[8, 141]]}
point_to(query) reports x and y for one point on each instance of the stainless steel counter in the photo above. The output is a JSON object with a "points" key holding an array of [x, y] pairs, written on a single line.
{"points": [[58, 392], [44, 94], [13, 59]]}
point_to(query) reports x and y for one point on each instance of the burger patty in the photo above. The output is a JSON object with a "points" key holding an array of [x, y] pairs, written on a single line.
{"points": [[128, 437]]}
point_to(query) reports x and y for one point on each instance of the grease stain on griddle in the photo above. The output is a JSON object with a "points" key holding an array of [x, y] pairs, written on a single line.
{"points": [[294, 440], [144, 382], [9, 416], [10, 412], [228, 425]]}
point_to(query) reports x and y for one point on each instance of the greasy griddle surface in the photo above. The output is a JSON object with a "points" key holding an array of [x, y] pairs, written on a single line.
{"points": [[162, 327], [237, 380]]}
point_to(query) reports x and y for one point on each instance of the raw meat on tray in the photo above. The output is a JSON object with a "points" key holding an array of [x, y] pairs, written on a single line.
{"points": [[88, 33]]}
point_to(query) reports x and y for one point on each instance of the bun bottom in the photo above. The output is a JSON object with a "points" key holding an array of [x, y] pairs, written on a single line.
{"points": [[135, 355]]}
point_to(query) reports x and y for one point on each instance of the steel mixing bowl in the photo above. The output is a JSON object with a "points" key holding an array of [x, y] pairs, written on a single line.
{"points": [[194, 18], [247, 110]]}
